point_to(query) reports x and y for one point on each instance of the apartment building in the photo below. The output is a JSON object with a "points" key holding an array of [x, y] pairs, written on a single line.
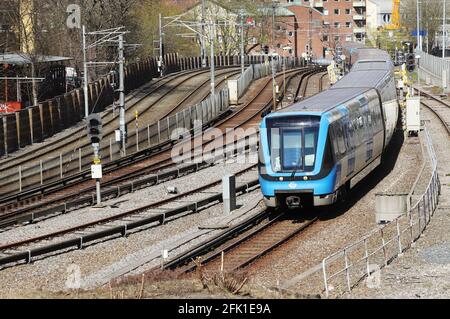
{"points": [[302, 35], [342, 20]]}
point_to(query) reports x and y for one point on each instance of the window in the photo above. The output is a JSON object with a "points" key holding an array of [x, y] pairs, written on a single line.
{"points": [[337, 38], [325, 12], [348, 38], [293, 143], [325, 38], [337, 25], [336, 11], [348, 24], [347, 11]]}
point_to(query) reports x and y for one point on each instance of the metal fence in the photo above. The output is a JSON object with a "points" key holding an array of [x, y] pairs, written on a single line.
{"points": [[344, 269], [436, 67], [258, 71], [77, 161], [66, 164]]}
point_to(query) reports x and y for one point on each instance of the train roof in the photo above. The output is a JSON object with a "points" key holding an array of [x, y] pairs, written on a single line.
{"points": [[363, 78], [326, 100], [370, 69], [363, 65], [371, 54]]}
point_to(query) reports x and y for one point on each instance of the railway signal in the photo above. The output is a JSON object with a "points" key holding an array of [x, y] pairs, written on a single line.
{"points": [[410, 62], [94, 128]]}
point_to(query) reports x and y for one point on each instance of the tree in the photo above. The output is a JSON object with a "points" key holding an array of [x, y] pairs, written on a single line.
{"points": [[430, 18]]}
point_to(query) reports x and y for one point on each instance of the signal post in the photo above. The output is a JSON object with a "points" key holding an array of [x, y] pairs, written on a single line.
{"points": [[94, 127]]}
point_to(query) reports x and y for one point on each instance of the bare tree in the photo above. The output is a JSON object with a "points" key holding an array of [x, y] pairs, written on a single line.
{"points": [[430, 17]]}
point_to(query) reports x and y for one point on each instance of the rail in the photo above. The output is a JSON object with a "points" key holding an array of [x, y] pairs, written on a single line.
{"points": [[151, 135], [381, 246], [258, 71]]}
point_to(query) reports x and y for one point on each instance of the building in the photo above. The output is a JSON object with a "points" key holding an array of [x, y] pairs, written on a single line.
{"points": [[301, 32], [342, 20], [379, 14]]}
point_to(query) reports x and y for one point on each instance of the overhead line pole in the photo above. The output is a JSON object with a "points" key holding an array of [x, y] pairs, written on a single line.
{"points": [[443, 32], [213, 71], [85, 75], [203, 35], [161, 62], [274, 94], [419, 45], [122, 123], [241, 13]]}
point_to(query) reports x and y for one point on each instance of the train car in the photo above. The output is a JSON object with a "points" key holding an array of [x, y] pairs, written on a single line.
{"points": [[313, 152]]}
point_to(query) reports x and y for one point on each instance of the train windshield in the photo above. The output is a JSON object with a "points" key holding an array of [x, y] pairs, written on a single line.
{"points": [[293, 143]]}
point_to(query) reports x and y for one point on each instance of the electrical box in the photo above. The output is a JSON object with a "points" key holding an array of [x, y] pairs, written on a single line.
{"points": [[389, 207], [413, 115], [234, 92]]}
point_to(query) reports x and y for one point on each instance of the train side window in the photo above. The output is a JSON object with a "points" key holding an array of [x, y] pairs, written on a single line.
{"points": [[328, 160], [341, 141], [334, 136]]}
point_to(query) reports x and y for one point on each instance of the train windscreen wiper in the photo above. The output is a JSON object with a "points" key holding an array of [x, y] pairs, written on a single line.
{"points": [[298, 166]]}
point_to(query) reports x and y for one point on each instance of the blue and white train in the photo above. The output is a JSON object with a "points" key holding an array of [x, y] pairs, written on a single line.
{"points": [[313, 152]]}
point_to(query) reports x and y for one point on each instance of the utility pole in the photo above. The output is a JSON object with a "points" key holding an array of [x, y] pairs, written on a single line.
{"points": [[241, 13], [443, 34], [419, 45], [85, 75], [203, 35], [123, 129], [213, 71], [160, 62], [274, 93], [310, 35]]}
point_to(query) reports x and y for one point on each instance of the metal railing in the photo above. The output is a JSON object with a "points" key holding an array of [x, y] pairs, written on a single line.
{"points": [[258, 71], [355, 262], [436, 67], [79, 160]]}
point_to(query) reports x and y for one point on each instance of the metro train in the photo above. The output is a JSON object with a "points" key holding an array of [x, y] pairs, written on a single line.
{"points": [[314, 152]]}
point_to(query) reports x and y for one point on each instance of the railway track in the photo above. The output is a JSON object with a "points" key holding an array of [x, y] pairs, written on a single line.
{"points": [[107, 116], [201, 91], [122, 180], [78, 236], [440, 108], [119, 225], [240, 246]]}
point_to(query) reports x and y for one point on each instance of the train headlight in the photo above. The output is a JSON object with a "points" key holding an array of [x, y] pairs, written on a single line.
{"points": [[305, 178], [281, 179]]}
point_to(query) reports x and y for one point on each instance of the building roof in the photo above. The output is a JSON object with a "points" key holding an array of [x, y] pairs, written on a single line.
{"points": [[280, 11], [24, 59]]}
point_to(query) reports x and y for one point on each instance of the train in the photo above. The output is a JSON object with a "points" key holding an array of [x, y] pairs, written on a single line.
{"points": [[314, 152]]}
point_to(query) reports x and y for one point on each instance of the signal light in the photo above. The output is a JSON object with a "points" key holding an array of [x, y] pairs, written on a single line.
{"points": [[266, 49], [94, 128], [410, 62]]}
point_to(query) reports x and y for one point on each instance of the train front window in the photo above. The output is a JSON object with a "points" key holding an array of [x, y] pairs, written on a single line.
{"points": [[293, 143]]}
